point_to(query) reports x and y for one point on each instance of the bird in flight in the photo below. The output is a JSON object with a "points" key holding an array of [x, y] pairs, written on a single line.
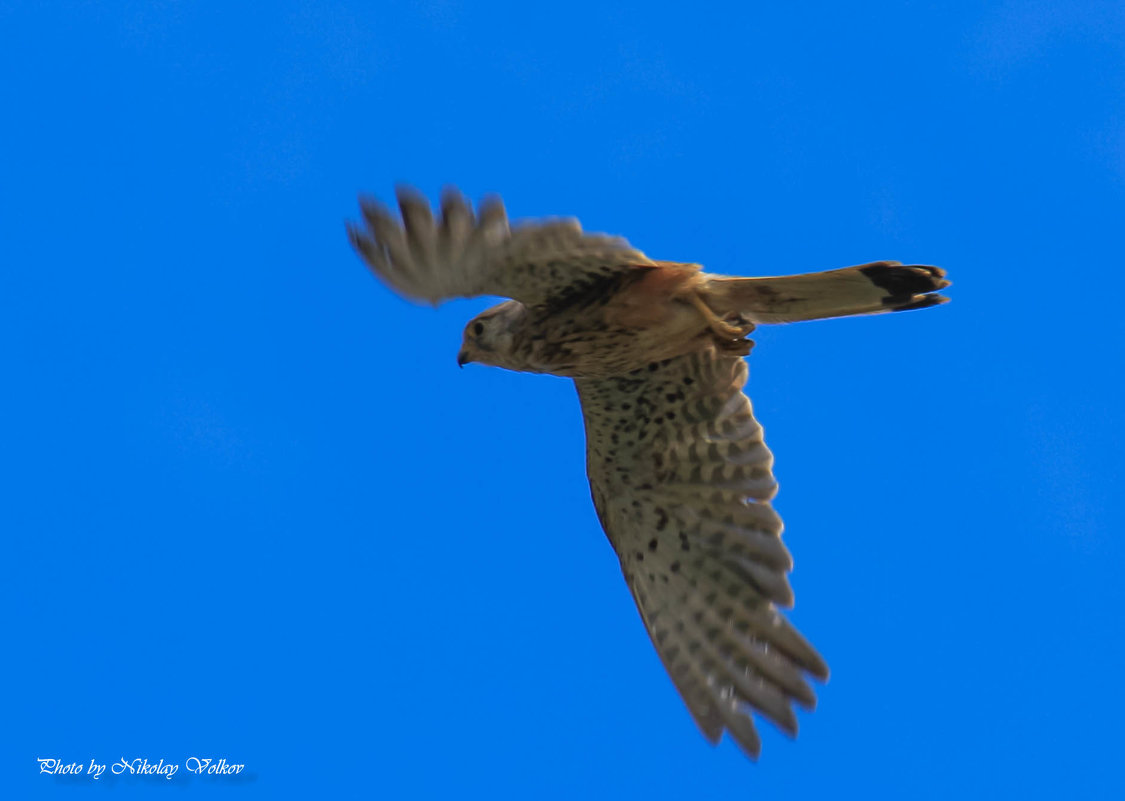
{"points": [[680, 476]]}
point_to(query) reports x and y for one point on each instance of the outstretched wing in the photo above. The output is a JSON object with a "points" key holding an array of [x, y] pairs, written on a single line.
{"points": [[682, 481], [459, 255]]}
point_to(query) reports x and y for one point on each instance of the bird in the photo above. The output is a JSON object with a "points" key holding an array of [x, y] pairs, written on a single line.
{"points": [[680, 476]]}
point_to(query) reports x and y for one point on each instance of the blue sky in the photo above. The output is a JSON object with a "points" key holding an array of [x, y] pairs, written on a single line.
{"points": [[253, 510]]}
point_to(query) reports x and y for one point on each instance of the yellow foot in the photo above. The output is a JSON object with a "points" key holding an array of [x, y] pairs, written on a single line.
{"points": [[721, 328]]}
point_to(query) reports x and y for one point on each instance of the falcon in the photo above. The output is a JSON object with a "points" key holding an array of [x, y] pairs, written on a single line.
{"points": [[680, 476]]}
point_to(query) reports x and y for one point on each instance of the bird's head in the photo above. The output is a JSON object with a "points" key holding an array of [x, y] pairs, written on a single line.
{"points": [[489, 337]]}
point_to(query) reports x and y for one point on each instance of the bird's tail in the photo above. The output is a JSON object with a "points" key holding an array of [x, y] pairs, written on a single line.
{"points": [[881, 286]]}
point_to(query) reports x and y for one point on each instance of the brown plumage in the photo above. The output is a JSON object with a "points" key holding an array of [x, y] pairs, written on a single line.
{"points": [[680, 476]]}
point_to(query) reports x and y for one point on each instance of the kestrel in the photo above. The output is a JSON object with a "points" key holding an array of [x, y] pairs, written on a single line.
{"points": [[679, 474]]}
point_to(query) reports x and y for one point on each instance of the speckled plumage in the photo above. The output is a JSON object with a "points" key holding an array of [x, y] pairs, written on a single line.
{"points": [[680, 476]]}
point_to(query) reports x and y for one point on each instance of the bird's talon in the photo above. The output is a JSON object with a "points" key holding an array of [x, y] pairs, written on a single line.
{"points": [[736, 329]]}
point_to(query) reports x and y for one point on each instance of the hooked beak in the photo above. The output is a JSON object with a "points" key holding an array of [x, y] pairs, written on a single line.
{"points": [[463, 358]]}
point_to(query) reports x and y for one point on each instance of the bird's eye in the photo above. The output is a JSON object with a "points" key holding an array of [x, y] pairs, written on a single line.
{"points": [[478, 329]]}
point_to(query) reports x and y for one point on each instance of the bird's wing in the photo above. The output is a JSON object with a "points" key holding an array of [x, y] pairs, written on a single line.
{"points": [[461, 255], [682, 480]]}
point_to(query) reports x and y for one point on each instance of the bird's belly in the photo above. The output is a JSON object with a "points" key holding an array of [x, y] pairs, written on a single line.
{"points": [[588, 346]]}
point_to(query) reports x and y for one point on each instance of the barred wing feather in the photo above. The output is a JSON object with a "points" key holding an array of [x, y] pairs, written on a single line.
{"points": [[682, 480], [460, 255]]}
